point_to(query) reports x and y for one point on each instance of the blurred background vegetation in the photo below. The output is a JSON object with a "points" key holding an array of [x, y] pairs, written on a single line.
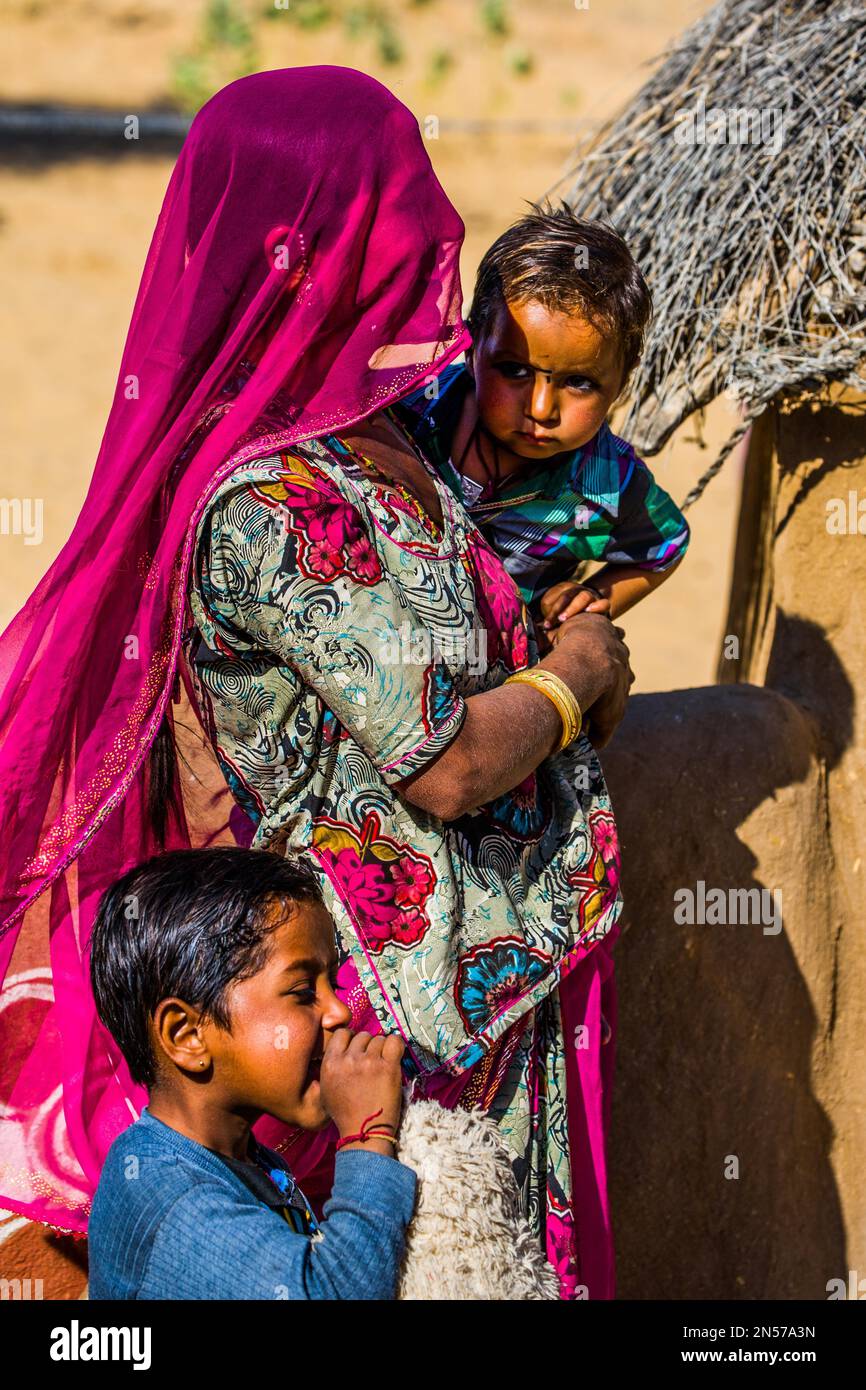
{"points": [[229, 40]]}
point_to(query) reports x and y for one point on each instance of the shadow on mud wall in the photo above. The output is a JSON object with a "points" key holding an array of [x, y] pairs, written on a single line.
{"points": [[716, 1023]]}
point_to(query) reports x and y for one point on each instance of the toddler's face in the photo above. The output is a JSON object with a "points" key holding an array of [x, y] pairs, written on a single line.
{"points": [[281, 1022], [544, 380]]}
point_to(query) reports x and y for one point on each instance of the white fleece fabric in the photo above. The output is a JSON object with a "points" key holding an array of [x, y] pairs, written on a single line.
{"points": [[468, 1238]]}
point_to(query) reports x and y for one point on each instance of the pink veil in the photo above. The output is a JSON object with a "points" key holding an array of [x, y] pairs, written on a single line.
{"points": [[304, 272]]}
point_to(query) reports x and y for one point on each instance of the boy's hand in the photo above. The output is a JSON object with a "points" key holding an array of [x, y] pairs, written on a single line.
{"points": [[360, 1074], [565, 600]]}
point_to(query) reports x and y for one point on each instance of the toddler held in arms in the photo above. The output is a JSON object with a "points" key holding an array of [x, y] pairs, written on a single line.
{"points": [[213, 969], [520, 434]]}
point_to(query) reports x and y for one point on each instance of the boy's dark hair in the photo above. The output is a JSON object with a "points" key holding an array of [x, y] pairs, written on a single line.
{"points": [[566, 264], [189, 923]]}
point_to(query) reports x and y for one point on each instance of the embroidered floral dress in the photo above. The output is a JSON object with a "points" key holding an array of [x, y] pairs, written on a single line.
{"points": [[334, 636]]}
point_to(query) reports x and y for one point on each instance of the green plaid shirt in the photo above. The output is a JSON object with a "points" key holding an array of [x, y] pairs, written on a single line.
{"points": [[600, 502]]}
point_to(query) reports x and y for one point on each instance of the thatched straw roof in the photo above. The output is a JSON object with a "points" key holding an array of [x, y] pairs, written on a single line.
{"points": [[738, 176]]}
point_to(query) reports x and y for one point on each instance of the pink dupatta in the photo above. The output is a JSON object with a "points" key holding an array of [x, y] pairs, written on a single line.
{"points": [[303, 228]]}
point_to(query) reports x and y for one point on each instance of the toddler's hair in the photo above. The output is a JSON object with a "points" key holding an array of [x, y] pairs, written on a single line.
{"points": [[188, 922], [565, 264]]}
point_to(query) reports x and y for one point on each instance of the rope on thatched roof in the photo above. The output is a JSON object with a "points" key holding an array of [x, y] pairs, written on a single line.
{"points": [[737, 176]]}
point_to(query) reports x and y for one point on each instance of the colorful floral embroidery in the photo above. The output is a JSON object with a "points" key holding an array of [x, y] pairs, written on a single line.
{"points": [[437, 694], [501, 608], [597, 882], [492, 976], [386, 883], [331, 538], [523, 812]]}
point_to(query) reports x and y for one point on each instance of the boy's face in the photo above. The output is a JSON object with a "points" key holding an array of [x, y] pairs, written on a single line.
{"points": [[544, 380], [281, 1022]]}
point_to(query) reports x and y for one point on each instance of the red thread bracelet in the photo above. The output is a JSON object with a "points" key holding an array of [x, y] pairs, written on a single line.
{"points": [[365, 1134]]}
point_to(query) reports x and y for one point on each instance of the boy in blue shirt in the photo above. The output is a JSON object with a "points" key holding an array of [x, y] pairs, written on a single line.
{"points": [[213, 970]]}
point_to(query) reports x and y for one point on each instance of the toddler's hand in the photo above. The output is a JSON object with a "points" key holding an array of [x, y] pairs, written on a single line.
{"points": [[360, 1074], [565, 600]]}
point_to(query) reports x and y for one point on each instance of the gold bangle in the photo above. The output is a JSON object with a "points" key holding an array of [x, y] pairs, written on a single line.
{"points": [[568, 706], [563, 700], [560, 697]]}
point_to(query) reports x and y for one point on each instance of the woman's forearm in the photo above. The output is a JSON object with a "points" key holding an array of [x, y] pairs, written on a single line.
{"points": [[506, 734]]}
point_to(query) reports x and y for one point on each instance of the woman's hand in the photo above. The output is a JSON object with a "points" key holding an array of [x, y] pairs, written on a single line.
{"points": [[607, 707]]}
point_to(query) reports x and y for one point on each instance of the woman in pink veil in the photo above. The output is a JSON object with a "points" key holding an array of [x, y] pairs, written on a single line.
{"points": [[302, 278]]}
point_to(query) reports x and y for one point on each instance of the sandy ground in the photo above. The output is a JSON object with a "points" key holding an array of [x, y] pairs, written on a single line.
{"points": [[74, 234]]}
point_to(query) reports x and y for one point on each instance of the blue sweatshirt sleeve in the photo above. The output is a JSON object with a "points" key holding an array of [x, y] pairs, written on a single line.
{"points": [[211, 1245]]}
